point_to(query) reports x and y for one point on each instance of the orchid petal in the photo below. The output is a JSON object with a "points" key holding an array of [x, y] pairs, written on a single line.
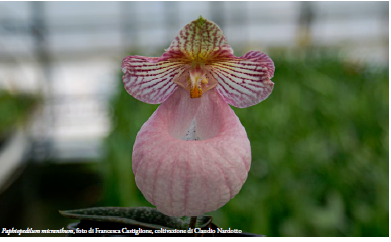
{"points": [[244, 81], [183, 177], [201, 40], [150, 80]]}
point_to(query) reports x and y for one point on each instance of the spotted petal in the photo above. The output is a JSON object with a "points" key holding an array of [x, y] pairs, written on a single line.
{"points": [[244, 81], [151, 79], [201, 40]]}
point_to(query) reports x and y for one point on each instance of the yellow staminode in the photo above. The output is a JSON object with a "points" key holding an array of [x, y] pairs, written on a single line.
{"points": [[198, 80], [196, 92]]}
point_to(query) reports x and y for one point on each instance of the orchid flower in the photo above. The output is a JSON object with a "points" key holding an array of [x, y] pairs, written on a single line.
{"points": [[193, 155]]}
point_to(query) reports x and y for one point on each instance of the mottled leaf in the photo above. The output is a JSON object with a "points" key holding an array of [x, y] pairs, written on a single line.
{"points": [[137, 216]]}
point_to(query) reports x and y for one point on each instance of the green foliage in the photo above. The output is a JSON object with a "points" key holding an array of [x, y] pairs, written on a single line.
{"points": [[14, 110], [319, 147]]}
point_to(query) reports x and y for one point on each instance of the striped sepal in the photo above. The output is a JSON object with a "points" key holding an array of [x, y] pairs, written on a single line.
{"points": [[200, 40], [244, 81], [150, 80]]}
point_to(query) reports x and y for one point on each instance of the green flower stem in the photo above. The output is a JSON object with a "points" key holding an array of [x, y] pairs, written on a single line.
{"points": [[193, 222]]}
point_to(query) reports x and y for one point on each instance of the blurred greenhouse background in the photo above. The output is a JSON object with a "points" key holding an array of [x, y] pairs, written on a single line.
{"points": [[319, 142]]}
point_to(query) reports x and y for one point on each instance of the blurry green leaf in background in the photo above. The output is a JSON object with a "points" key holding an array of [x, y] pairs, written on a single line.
{"points": [[15, 108], [319, 151]]}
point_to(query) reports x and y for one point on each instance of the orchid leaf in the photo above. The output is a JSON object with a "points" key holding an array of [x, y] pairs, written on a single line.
{"points": [[137, 216]]}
